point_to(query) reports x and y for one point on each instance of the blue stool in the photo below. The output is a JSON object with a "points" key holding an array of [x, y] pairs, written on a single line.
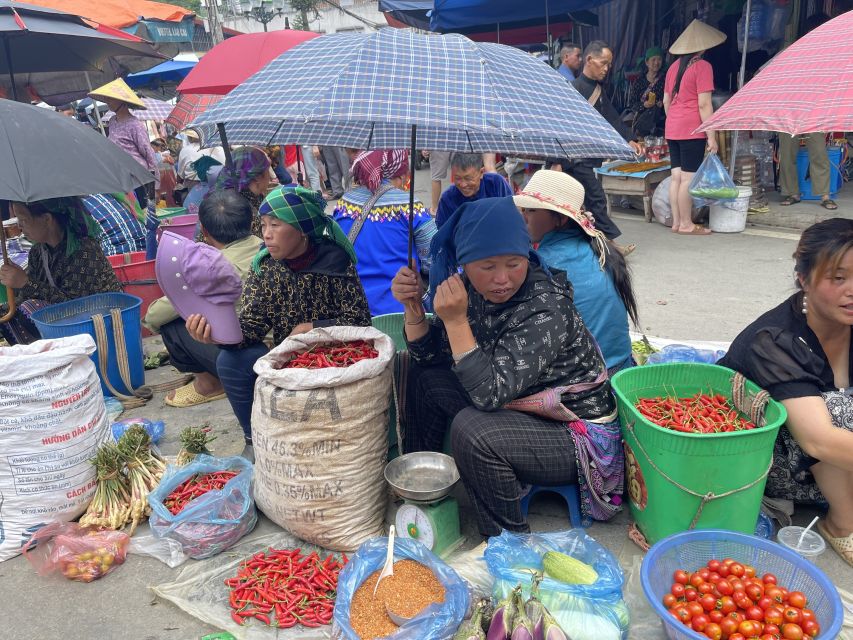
{"points": [[570, 493]]}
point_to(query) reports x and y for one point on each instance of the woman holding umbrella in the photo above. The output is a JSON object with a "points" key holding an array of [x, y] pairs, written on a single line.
{"points": [[375, 216], [65, 262]]}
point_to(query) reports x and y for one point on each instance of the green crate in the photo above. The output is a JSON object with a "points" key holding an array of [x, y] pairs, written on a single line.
{"points": [[668, 472]]}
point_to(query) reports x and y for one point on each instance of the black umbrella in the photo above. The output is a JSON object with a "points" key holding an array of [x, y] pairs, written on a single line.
{"points": [[61, 56], [49, 155]]}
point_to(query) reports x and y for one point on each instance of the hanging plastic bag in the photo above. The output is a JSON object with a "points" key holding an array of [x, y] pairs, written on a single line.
{"points": [[712, 183], [215, 520], [436, 622], [81, 554], [585, 612]]}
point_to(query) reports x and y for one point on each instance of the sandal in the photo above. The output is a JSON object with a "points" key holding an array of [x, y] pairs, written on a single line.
{"points": [[829, 203], [843, 546], [187, 396], [697, 230], [625, 249], [787, 201]]}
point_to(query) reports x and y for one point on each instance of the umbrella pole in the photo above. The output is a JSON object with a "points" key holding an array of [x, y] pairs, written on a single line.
{"points": [[229, 161], [300, 163], [11, 76], [740, 78], [95, 105], [10, 292], [412, 198]]}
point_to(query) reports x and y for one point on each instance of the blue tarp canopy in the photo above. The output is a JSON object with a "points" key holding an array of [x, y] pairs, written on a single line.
{"points": [[166, 72], [456, 15]]}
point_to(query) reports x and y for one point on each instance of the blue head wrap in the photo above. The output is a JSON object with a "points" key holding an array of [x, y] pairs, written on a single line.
{"points": [[478, 230]]}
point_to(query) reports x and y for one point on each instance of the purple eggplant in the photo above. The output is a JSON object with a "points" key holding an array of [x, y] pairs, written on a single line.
{"points": [[522, 628], [504, 617], [534, 607], [471, 629], [550, 629]]}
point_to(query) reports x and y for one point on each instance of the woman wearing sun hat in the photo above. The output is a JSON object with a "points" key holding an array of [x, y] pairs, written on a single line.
{"points": [[687, 102], [552, 205], [126, 130], [510, 366]]}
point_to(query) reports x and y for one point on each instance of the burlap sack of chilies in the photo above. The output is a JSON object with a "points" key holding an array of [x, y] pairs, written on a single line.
{"points": [[320, 440]]}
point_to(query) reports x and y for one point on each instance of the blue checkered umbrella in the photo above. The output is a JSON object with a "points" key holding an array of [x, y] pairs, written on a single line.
{"points": [[391, 87]]}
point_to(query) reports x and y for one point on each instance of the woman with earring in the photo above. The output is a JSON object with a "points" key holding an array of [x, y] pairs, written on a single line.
{"points": [[250, 175], [303, 278], [801, 352]]}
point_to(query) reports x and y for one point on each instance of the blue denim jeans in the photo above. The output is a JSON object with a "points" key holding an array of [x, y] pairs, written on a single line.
{"points": [[236, 372]]}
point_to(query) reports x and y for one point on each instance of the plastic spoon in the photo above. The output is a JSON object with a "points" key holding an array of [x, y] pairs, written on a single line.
{"points": [[805, 531], [388, 569]]}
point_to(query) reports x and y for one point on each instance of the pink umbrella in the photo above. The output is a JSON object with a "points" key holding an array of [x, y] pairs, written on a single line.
{"points": [[806, 88], [189, 106]]}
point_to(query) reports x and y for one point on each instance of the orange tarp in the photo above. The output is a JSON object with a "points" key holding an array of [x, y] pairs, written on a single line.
{"points": [[116, 13]]}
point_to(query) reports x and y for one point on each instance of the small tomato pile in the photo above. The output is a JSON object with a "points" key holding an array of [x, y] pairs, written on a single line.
{"points": [[297, 589], [701, 413], [195, 486], [90, 565], [726, 600], [342, 354]]}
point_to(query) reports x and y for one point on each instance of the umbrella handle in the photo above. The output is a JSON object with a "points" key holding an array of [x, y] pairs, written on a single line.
{"points": [[10, 292]]}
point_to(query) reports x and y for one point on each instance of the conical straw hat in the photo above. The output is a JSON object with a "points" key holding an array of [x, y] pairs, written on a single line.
{"points": [[118, 90], [697, 37]]}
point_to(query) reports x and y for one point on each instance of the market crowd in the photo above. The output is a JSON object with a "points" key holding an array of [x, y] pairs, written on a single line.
{"points": [[516, 306]]}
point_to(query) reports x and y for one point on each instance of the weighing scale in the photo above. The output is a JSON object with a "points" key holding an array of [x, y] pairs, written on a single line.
{"points": [[424, 480]]}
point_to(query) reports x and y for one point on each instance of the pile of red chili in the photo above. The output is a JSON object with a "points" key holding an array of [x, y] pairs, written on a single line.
{"points": [[342, 354], [701, 413], [195, 486], [297, 589]]}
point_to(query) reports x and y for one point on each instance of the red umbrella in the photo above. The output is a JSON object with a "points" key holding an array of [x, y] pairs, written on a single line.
{"points": [[806, 88], [189, 106], [230, 62]]}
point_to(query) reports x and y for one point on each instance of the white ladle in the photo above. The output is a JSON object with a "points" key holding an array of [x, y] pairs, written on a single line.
{"points": [[805, 531], [388, 569]]}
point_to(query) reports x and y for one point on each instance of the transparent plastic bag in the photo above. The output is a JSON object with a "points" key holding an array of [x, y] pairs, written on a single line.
{"points": [[81, 554], [712, 183], [154, 429], [684, 353], [585, 612], [438, 621], [215, 520], [166, 550]]}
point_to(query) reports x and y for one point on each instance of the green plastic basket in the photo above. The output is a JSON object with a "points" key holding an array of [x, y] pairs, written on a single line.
{"points": [[678, 481]]}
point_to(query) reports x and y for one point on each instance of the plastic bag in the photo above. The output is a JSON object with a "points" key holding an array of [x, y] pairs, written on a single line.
{"points": [[712, 183], [154, 429], [166, 550], [684, 353], [80, 553], [585, 612], [438, 621], [214, 521]]}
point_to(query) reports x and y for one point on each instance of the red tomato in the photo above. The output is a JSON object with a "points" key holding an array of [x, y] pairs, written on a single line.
{"points": [[768, 636], [729, 626], [723, 570], [765, 603], [773, 615], [748, 628], [714, 565], [714, 578], [704, 572], [749, 571], [775, 594], [792, 631], [681, 577], [682, 613], [737, 615], [768, 578], [797, 599], [696, 580], [737, 569], [772, 629], [727, 605], [669, 601], [724, 588], [737, 584], [677, 590], [755, 613], [716, 616], [742, 600], [793, 615], [691, 594], [708, 602], [755, 592], [737, 636], [699, 622], [713, 631], [811, 628], [706, 587], [808, 614], [695, 609]]}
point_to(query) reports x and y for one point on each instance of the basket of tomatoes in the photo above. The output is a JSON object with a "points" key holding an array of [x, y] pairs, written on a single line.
{"points": [[725, 585]]}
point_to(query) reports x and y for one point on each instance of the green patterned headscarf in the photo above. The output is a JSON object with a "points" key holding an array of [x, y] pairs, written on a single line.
{"points": [[305, 210], [72, 217]]}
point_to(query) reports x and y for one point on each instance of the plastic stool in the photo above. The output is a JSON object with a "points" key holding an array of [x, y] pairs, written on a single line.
{"points": [[570, 493]]}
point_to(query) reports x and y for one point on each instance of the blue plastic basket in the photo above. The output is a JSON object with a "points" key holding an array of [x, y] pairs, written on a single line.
{"points": [[692, 549], [74, 318]]}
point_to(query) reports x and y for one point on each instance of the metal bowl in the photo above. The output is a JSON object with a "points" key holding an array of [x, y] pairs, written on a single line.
{"points": [[425, 476]]}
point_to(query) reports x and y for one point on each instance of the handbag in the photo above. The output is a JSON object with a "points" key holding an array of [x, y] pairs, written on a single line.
{"points": [[646, 121]]}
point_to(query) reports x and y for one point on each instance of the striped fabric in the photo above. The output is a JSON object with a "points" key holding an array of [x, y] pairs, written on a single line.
{"points": [[805, 89], [365, 91], [189, 107], [121, 231]]}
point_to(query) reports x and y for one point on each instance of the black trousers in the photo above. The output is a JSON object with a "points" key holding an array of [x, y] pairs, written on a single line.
{"points": [[497, 453], [595, 200], [188, 355]]}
